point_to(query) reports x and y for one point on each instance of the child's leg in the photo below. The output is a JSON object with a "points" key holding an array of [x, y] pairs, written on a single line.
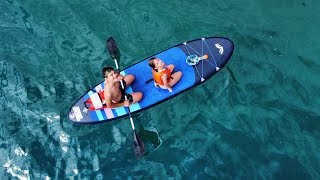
{"points": [[176, 77]]}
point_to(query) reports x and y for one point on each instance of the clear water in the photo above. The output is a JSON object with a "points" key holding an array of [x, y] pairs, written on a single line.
{"points": [[258, 118]]}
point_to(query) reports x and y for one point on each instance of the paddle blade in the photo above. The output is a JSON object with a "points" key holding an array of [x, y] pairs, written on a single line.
{"points": [[112, 47], [138, 145]]}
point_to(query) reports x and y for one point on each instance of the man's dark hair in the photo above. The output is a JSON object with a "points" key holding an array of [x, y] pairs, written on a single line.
{"points": [[106, 69]]}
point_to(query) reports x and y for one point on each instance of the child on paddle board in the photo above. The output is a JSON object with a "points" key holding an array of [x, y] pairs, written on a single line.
{"points": [[162, 74], [114, 94]]}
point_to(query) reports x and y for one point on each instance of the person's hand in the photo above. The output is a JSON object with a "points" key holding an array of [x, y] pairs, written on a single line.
{"points": [[120, 77], [126, 103], [170, 89]]}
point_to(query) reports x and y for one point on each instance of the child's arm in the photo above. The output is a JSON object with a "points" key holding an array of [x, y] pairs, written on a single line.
{"points": [[165, 82]]}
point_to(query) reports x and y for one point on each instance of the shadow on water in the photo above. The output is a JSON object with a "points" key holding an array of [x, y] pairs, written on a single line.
{"points": [[150, 138], [232, 74], [310, 64]]}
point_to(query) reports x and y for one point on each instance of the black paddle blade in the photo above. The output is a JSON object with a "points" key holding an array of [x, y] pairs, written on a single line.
{"points": [[112, 47], [138, 145]]}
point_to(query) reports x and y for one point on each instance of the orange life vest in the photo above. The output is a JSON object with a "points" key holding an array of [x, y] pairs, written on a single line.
{"points": [[157, 76]]}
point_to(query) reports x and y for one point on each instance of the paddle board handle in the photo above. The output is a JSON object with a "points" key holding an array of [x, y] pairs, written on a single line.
{"points": [[194, 59], [203, 57]]}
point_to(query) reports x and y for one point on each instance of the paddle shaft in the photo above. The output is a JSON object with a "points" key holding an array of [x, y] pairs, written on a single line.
{"points": [[115, 61], [137, 141], [125, 97]]}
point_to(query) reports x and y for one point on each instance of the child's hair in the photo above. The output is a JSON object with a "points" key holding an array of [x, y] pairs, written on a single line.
{"points": [[106, 69], [151, 60]]}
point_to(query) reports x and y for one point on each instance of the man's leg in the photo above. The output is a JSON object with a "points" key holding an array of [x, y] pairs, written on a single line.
{"points": [[135, 97]]}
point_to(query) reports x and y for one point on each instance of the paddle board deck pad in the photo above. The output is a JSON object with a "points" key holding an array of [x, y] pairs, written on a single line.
{"points": [[198, 60]]}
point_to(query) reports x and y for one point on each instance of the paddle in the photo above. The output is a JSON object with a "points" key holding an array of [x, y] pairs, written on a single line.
{"points": [[138, 144]]}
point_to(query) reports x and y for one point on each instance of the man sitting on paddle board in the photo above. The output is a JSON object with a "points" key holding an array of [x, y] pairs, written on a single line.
{"points": [[162, 74], [114, 95]]}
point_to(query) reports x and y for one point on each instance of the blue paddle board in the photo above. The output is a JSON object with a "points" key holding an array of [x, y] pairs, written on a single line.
{"points": [[218, 50]]}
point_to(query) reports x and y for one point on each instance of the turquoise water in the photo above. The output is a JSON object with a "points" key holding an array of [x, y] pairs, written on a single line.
{"points": [[258, 118]]}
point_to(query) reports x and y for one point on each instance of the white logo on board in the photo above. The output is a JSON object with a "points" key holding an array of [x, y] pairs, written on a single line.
{"points": [[76, 113], [219, 47]]}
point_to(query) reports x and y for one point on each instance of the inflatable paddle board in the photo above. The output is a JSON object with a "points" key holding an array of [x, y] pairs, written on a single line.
{"points": [[198, 60]]}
